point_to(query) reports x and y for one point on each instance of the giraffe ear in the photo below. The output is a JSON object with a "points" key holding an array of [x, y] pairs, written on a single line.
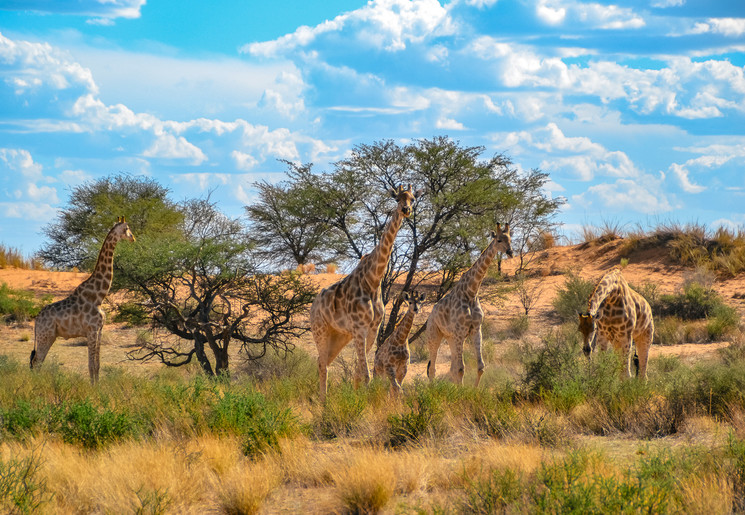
{"points": [[506, 227], [405, 296], [493, 234], [421, 297]]}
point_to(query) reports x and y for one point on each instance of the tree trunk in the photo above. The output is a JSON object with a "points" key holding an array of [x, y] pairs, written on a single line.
{"points": [[222, 361], [199, 341]]}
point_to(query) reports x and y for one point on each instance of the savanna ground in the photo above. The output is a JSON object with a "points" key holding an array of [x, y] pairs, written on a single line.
{"points": [[547, 430]]}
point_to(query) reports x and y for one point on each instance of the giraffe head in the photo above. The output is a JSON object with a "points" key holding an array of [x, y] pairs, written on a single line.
{"points": [[504, 240], [121, 230], [415, 300], [587, 329], [405, 198]]}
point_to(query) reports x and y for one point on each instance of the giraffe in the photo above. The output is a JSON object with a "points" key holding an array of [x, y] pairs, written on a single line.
{"points": [[458, 314], [352, 309], [392, 357], [80, 313], [619, 316]]}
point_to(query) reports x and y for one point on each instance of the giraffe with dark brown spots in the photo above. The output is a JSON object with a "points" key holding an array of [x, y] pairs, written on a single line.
{"points": [[352, 309], [458, 315], [618, 316], [80, 313], [392, 356]]}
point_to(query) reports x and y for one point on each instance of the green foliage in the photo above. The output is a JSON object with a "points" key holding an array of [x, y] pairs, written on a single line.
{"points": [[572, 298], [22, 487], [84, 424], [260, 423], [550, 364], [342, 411], [131, 313], [421, 419], [76, 236], [19, 305]]}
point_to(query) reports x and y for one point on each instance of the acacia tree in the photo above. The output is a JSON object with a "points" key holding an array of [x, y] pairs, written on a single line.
{"points": [[75, 237], [279, 221], [201, 284], [464, 196]]}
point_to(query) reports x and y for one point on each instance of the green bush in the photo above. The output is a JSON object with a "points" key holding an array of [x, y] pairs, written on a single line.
{"points": [[695, 302], [573, 297], [342, 412], [422, 418], [131, 313], [84, 424], [258, 422], [19, 305], [724, 319]]}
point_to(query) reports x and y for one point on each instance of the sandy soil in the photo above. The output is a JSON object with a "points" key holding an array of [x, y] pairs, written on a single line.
{"points": [[547, 275]]}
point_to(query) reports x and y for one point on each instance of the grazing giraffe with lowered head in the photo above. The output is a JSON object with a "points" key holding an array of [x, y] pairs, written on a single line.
{"points": [[392, 357], [352, 309], [619, 316], [80, 313], [458, 314]]}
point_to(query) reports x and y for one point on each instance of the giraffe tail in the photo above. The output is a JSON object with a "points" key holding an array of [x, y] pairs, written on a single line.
{"points": [[636, 363], [31, 361]]}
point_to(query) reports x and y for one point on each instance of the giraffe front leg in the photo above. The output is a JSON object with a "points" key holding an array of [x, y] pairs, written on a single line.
{"points": [[94, 354], [479, 357]]}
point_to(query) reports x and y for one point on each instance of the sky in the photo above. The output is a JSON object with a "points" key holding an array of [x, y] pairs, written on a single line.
{"points": [[635, 109]]}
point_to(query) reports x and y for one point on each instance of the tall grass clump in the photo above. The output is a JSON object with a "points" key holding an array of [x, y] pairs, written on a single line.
{"points": [[12, 257], [572, 297]]}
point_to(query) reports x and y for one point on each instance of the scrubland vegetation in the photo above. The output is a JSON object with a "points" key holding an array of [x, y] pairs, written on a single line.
{"points": [[548, 432]]}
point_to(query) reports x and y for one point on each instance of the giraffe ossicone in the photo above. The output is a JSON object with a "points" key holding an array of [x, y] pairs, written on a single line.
{"points": [[80, 314], [458, 315], [352, 309], [620, 317], [392, 356]]}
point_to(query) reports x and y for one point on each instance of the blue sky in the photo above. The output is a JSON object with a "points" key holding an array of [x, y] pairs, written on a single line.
{"points": [[635, 108]]}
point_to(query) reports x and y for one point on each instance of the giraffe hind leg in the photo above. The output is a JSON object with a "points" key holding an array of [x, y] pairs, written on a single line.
{"points": [[43, 339]]}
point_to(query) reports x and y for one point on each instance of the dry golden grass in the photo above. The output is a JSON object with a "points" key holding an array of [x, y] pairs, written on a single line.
{"points": [[365, 481], [709, 494], [191, 476]]}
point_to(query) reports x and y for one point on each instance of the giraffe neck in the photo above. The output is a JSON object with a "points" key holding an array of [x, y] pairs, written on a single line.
{"points": [[374, 264], [100, 280], [404, 328], [471, 280], [609, 284]]}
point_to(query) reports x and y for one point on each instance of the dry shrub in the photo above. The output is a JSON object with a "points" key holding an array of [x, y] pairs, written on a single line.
{"points": [[307, 465], [707, 494], [331, 268], [501, 456], [243, 489], [364, 482]]}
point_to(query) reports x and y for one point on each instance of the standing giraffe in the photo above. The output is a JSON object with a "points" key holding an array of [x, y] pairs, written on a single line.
{"points": [[352, 308], [619, 316], [392, 357], [80, 313], [458, 314]]}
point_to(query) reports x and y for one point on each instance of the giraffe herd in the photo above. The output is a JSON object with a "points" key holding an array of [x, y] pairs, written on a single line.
{"points": [[352, 310]]}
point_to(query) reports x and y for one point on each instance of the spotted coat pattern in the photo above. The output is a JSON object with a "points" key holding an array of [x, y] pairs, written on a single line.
{"points": [[80, 313], [352, 309], [618, 316], [392, 356], [458, 315]]}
